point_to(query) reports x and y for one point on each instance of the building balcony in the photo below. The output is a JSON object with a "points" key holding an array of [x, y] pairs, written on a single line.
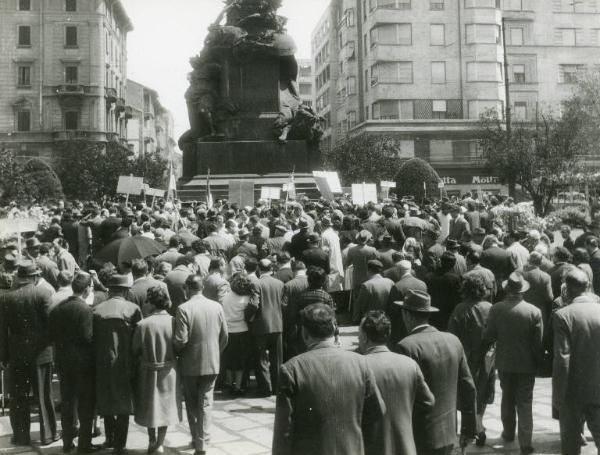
{"points": [[148, 115], [110, 94], [71, 90], [69, 135], [128, 112], [120, 105]]}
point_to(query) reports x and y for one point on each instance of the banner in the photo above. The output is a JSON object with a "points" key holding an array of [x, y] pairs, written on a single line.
{"points": [[241, 192], [17, 226], [323, 187], [363, 193], [270, 192], [333, 180], [130, 185]]}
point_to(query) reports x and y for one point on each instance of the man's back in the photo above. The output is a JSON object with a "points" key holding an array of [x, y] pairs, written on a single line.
{"points": [[402, 387], [269, 319], [325, 396], [138, 293], [359, 256], [71, 328], [443, 363], [200, 333], [175, 281], [577, 376], [216, 287], [517, 328], [498, 261]]}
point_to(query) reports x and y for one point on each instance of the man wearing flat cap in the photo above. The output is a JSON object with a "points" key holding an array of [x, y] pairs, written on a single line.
{"points": [[516, 327], [442, 359], [115, 321], [25, 347]]}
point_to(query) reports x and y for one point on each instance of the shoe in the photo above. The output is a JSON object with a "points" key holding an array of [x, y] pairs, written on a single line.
{"points": [[107, 445], [480, 439], [89, 449], [160, 449], [200, 452], [18, 443], [527, 450], [119, 450], [68, 448], [507, 438], [52, 440], [151, 447]]}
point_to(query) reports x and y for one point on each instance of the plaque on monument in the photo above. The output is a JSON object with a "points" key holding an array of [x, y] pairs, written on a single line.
{"points": [[246, 116]]}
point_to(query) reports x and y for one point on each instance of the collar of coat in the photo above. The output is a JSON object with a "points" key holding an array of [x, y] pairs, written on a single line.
{"points": [[325, 344], [423, 328], [377, 349]]}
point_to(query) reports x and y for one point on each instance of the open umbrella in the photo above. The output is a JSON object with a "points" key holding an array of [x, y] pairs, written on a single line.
{"points": [[129, 248]]}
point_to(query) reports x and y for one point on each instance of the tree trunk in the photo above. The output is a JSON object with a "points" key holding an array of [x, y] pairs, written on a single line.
{"points": [[538, 205], [512, 189]]}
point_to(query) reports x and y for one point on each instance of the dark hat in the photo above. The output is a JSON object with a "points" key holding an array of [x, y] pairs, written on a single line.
{"points": [[33, 242], [364, 236], [451, 244], [314, 238], [479, 231], [417, 302], [303, 223], [27, 269], [516, 284], [374, 264], [118, 281]]}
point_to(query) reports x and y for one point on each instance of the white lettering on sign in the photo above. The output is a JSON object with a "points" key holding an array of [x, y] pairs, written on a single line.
{"points": [[448, 180], [478, 180]]}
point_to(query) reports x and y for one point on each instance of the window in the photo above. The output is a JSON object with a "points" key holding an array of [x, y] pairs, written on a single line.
{"points": [[574, 6], [484, 72], [24, 35], [350, 20], [393, 110], [24, 76], [367, 80], [520, 110], [71, 120], [438, 72], [351, 85], [437, 34], [72, 75], [568, 37], [70, 5], [480, 107], [24, 120], [567, 74], [367, 112], [594, 37], [24, 5], [391, 34], [365, 45], [519, 74], [439, 109], [351, 119], [396, 4], [392, 72], [513, 5], [516, 36], [71, 36], [436, 5], [483, 34], [482, 3]]}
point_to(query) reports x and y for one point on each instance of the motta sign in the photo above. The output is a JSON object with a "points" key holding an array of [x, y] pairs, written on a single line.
{"points": [[478, 180], [473, 180]]}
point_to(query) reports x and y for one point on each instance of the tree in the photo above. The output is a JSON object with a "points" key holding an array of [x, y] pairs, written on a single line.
{"points": [[412, 175], [541, 155], [154, 168], [365, 158]]}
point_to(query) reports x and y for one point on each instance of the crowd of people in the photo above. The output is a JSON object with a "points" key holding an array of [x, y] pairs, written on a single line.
{"points": [[446, 297]]}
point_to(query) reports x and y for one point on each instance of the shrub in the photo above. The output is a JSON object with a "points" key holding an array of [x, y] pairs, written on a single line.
{"points": [[412, 175], [576, 217]]}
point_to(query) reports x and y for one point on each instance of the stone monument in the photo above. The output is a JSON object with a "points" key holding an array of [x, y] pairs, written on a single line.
{"points": [[246, 118]]}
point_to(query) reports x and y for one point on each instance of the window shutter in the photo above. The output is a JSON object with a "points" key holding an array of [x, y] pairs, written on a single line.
{"points": [[404, 32], [405, 72]]}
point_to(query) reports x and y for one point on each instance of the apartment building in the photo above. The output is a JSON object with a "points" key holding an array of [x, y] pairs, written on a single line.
{"points": [[63, 73], [423, 71], [306, 82]]}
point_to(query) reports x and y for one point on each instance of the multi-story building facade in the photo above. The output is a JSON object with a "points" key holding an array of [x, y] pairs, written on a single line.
{"points": [[151, 127], [306, 81], [423, 71], [63, 73]]}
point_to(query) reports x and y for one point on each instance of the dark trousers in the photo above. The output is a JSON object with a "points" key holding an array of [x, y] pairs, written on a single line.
{"points": [[571, 417], [78, 392], [441, 451], [25, 377], [269, 357], [517, 400], [198, 394], [116, 429]]}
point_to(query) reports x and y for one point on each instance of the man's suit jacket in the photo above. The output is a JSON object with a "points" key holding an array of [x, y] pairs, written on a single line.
{"points": [[284, 275], [24, 336], [269, 318], [175, 281], [457, 227], [326, 397], [299, 243], [316, 257], [71, 325], [216, 288], [517, 327], [170, 256], [200, 336], [246, 248], [498, 261], [138, 293], [540, 293], [292, 290], [394, 227], [403, 388], [108, 227], [576, 372], [359, 256], [397, 294], [556, 275], [444, 365], [444, 289], [374, 294], [473, 219], [218, 245], [49, 270]]}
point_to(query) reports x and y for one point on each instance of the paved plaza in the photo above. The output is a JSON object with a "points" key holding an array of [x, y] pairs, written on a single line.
{"points": [[245, 426]]}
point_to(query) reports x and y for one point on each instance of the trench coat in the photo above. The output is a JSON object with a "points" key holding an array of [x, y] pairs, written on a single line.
{"points": [[114, 324], [156, 403]]}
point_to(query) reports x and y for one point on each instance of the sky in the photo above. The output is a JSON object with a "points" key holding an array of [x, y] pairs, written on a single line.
{"points": [[168, 32]]}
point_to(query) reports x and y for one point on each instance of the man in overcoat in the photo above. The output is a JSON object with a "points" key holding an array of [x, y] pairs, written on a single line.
{"points": [[115, 321]]}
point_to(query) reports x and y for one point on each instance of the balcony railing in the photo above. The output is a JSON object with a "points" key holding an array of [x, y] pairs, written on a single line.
{"points": [[128, 112], [70, 90], [120, 106]]}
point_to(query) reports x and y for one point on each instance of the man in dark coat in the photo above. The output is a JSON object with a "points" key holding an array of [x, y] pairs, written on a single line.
{"points": [[115, 321], [458, 224], [540, 291], [497, 260], [591, 245], [299, 241], [25, 347], [292, 290], [109, 225], [393, 225], [47, 266], [314, 255], [70, 229], [173, 252], [562, 258], [402, 386], [358, 257], [576, 370], [444, 289], [142, 281], [71, 329], [375, 292], [444, 365], [516, 327], [327, 397], [175, 281], [215, 286], [267, 329], [244, 247]]}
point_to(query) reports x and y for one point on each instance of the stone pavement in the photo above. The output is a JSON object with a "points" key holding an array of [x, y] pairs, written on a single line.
{"points": [[245, 426]]}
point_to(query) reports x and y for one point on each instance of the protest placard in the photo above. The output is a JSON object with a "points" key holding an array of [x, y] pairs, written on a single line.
{"points": [[269, 193], [130, 185], [362, 193], [323, 187], [333, 180], [241, 192]]}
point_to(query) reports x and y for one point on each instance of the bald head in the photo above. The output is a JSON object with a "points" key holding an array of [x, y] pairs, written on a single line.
{"points": [[577, 282]]}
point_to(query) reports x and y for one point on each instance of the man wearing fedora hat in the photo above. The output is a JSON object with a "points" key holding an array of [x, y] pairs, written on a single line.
{"points": [[243, 246], [25, 347], [115, 321], [442, 359], [516, 327]]}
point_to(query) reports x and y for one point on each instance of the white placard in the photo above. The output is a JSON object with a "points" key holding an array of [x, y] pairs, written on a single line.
{"points": [[129, 184], [333, 180], [385, 184], [270, 192], [17, 225], [363, 193], [323, 187]]}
